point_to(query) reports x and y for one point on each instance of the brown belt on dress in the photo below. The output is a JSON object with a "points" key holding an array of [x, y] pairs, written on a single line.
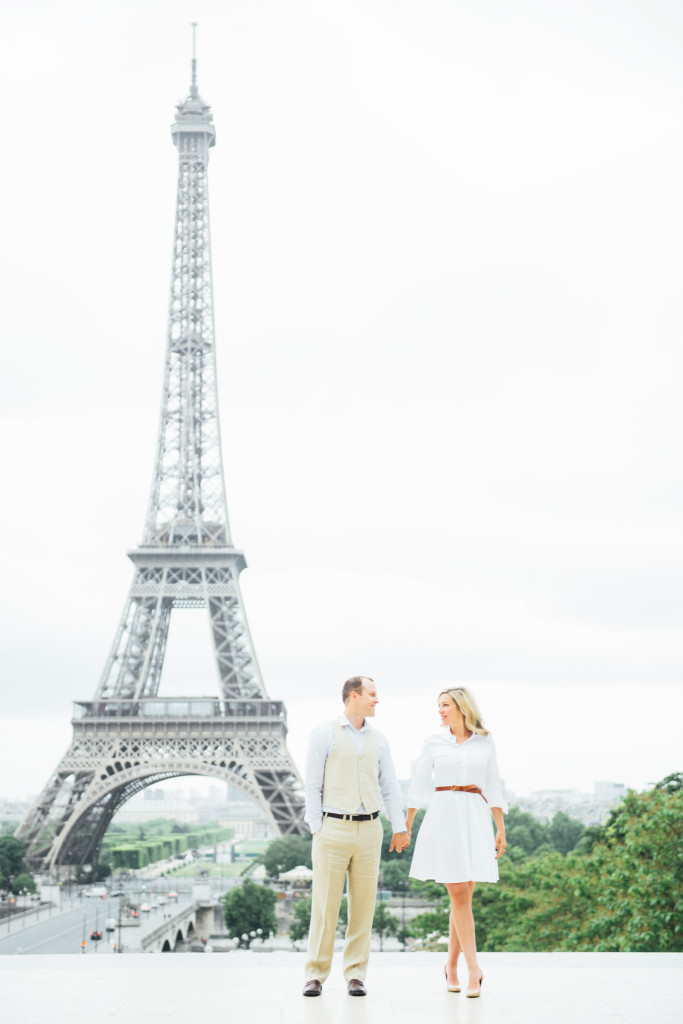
{"points": [[461, 789]]}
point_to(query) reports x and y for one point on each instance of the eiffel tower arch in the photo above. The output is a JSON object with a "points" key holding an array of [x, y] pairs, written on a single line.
{"points": [[128, 737]]}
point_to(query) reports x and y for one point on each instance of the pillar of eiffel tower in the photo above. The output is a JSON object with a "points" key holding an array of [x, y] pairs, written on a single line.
{"points": [[127, 737]]}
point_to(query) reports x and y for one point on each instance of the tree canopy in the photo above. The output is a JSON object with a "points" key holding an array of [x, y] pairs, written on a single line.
{"points": [[248, 907], [286, 853], [11, 859], [301, 921], [622, 891], [384, 923]]}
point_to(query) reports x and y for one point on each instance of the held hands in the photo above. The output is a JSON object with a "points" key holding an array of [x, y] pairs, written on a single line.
{"points": [[400, 841], [500, 844]]}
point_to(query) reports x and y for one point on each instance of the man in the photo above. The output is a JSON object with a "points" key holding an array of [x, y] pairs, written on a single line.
{"points": [[349, 773]]}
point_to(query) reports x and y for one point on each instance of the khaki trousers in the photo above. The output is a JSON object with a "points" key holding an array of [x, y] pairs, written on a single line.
{"points": [[341, 848]]}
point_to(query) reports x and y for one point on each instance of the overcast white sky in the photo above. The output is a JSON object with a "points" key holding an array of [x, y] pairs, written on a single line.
{"points": [[447, 269]]}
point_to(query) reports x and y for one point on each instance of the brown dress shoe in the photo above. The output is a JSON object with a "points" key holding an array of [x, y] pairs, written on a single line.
{"points": [[312, 988], [356, 988]]}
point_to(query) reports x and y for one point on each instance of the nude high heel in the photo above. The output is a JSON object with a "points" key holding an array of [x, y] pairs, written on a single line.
{"points": [[474, 993], [451, 988]]}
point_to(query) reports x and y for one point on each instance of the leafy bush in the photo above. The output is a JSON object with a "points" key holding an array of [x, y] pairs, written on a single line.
{"points": [[301, 924], [620, 889], [286, 853], [247, 908]]}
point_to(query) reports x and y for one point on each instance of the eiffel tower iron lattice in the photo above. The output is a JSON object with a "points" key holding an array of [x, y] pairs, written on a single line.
{"points": [[128, 737]]}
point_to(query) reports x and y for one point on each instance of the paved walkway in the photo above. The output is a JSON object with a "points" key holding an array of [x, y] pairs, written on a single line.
{"points": [[403, 988]]}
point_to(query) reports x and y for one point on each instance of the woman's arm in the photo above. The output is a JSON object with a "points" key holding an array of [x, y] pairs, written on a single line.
{"points": [[410, 814], [421, 786], [497, 813], [493, 787]]}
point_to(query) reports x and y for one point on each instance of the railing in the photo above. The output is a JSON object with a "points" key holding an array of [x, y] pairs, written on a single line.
{"points": [[202, 708]]}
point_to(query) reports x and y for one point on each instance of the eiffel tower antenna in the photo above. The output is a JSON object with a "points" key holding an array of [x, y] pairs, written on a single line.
{"points": [[193, 85], [128, 737]]}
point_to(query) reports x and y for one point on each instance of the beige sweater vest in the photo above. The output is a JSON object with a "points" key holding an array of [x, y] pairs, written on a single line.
{"points": [[352, 778]]}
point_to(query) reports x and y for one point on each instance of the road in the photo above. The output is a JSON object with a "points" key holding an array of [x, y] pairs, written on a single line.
{"points": [[63, 929], [63, 932]]}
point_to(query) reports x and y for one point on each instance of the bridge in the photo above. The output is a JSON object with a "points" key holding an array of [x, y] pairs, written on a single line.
{"points": [[182, 924]]}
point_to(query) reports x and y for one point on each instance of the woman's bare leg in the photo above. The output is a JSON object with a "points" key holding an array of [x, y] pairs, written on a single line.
{"points": [[454, 947], [462, 924], [453, 952]]}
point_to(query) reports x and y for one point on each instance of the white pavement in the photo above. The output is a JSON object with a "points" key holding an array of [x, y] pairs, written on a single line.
{"points": [[403, 988]]}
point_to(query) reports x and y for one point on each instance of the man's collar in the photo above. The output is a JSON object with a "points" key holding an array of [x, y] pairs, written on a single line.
{"points": [[344, 720]]}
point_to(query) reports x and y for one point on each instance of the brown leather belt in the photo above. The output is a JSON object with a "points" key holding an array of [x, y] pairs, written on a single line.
{"points": [[461, 789]]}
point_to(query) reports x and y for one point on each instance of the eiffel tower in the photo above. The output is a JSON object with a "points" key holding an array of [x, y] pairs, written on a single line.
{"points": [[127, 737]]}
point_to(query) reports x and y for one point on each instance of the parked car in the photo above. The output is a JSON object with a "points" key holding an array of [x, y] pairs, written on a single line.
{"points": [[99, 891]]}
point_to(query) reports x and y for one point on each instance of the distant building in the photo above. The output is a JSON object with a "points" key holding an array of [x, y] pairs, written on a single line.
{"points": [[609, 792], [14, 810], [224, 804], [591, 809]]}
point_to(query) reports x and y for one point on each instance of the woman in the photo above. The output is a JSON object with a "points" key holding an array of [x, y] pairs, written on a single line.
{"points": [[455, 844]]}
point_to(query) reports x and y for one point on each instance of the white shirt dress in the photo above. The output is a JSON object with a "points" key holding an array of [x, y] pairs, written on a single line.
{"points": [[456, 841]]}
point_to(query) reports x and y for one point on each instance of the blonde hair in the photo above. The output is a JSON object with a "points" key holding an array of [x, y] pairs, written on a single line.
{"points": [[467, 706]]}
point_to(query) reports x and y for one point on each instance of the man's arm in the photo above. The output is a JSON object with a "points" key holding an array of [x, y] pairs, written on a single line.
{"points": [[319, 748], [391, 795]]}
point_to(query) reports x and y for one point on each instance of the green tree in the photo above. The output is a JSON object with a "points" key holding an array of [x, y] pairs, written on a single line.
{"points": [[435, 892], [101, 871], [384, 923], [24, 881], [301, 924], [638, 872], [620, 891], [393, 874], [247, 908], [591, 837], [565, 832], [535, 906], [430, 922], [287, 853], [12, 853], [525, 832], [672, 783]]}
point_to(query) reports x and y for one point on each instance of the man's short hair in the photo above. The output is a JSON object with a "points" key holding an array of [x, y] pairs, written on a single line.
{"points": [[354, 684]]}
